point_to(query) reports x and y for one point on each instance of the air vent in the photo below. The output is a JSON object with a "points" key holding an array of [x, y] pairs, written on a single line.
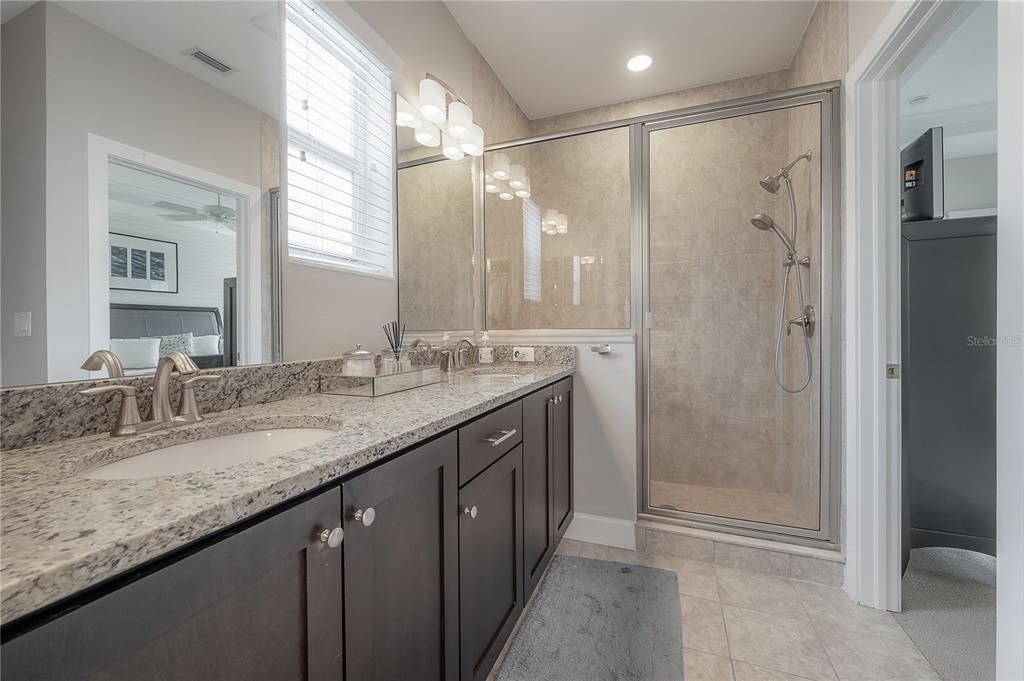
{"points": [[209, 60]]}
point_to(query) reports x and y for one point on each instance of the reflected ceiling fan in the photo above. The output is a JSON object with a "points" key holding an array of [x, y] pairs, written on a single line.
{"points": [[208, 213]]}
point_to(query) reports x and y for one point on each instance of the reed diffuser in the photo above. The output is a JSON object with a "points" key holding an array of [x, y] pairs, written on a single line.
{"points": [[396, 337]]}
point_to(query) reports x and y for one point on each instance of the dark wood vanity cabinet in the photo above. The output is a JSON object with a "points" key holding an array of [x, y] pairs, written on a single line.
{"points": [[538, 474], [561, 454], [264, 602], [401, 567], [442, 546], [491, 585]]}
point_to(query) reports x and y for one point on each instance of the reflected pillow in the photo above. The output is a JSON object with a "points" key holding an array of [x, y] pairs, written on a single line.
{"points": [[136, 353], [206, 345], [179, 342]]}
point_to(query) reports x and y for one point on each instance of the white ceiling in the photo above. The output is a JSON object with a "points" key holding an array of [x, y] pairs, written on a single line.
{"points": [[557, 57], [242, 34], [959, 79]]}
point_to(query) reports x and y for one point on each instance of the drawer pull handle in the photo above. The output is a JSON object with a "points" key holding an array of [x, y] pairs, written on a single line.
{"points": [[365, 517], [500, 437], [332, 538], [470, 511]]}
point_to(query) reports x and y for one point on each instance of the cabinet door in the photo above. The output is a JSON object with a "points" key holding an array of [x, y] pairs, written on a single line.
{"points": [[401, 567], [538, 470], [490, 562], [262, 603], [561, 454]]}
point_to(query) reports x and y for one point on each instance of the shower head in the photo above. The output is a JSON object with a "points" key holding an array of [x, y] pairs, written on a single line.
{"points": [[770, 183], [765, 223]]}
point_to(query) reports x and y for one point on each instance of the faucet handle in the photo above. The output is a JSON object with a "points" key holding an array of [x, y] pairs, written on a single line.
{"points": [[188, 410], [129, 416]]}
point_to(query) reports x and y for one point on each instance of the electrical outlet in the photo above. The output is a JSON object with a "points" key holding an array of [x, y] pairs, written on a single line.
{"points": [[22, 324], [520, 354]]}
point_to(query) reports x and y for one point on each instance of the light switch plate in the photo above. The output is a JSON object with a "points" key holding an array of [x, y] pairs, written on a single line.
{"points": [[522, 354], [22, 324]]}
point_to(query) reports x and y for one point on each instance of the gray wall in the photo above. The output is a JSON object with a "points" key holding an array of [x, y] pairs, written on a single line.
{"points": [[23, 241], [970, 183]]}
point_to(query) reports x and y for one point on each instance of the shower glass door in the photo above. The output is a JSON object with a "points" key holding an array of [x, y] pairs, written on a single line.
{"points": [[733, 436]]}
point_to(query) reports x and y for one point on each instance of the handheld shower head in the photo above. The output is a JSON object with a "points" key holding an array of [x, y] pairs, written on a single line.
{"points": [[765, 223]]}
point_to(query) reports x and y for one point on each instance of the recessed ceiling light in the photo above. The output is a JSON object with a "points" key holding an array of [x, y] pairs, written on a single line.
{"points": [[919, 100], [639, 63]]}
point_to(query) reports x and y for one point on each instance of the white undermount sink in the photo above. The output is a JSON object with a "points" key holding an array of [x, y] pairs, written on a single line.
{"points": [[210, 454]]}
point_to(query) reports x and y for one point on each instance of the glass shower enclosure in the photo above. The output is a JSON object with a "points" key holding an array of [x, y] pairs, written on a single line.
{"points": [[738, 348]]}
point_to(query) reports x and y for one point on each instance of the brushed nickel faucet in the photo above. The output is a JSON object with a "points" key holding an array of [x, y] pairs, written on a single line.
{"points": [[104, 358], [464, 345], [160, 416]]}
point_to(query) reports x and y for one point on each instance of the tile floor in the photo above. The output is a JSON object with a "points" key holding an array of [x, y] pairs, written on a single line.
{"points": [[748, 626]]}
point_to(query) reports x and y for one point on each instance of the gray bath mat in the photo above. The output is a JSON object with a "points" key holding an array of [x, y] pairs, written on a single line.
{"points": [[594, 620]]}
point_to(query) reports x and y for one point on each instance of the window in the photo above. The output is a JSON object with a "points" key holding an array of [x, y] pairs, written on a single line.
{"points": [[340, 157], [531, 251]]}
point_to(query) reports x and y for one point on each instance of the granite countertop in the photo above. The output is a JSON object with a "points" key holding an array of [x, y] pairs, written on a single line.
{"points": [[62, 533]]}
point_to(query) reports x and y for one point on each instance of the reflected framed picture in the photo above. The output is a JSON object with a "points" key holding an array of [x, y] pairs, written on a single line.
{"points": [[141, 264]]}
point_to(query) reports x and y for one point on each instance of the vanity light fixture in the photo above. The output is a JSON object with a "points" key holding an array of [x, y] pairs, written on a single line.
{"points": [[551, 218], [473, 142], [504, 193], [500, 166], [524, 191], [490, 185], [563, 224], [450, 147], [405, 115], [428, 135], [640, 62], [460, 119], [432, 101], [517, 176]]}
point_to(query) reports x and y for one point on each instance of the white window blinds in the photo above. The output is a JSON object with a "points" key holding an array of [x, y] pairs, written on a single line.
{"points": [[531, 250], [340, 156]]}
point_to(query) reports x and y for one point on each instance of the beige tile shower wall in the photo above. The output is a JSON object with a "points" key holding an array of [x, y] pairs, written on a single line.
{"points": [[585, 273], [435, 246], [717, 418], [802, 410]]}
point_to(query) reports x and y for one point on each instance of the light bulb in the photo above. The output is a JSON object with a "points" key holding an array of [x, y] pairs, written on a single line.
{"points": [[450, 147], [489, 184], [500, 166], [473, 142], [524, 191], [460, 119], [428, 135], [517, 176], [432, 100], [405, 115]]}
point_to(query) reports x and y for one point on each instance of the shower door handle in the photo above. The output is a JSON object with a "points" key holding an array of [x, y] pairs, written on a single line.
{"points": [[603, 349]]}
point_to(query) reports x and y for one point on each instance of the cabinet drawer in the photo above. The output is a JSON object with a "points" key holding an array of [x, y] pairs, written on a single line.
{"points": [[483, 441]]}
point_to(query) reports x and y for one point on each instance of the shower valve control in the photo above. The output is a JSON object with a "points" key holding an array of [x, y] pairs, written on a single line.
{"points": [[892, 370]]}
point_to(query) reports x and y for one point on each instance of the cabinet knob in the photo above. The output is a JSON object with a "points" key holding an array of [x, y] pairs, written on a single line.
{"points": [[469, 510], [332, 538], [366, 517]]}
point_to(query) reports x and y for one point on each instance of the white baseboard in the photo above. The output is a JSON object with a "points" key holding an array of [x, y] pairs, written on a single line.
{"points": [[598, 529]]}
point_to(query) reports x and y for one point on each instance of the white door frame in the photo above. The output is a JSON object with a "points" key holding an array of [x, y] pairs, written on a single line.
{"points": [[249, 247], [872, 281]]}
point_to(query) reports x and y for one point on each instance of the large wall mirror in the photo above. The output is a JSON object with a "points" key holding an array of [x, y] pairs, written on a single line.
{"points": [[141, 169], [435, 245]]}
